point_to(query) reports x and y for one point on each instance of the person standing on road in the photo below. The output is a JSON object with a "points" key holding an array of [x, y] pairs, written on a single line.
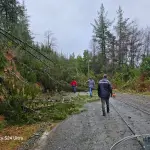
{"points": [[91, 84], [104, 92], [74, 85]]}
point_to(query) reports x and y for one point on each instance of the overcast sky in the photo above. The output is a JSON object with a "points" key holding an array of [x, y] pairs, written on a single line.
{"points": [[70, 20]]}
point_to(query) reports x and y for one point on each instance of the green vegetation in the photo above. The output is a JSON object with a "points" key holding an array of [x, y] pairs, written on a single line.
{"points": [[121, 49], [12, 109], [33, 76]]}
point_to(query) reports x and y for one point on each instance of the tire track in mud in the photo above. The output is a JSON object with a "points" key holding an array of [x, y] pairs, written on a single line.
{"points": [[136, 107], [90, 130], [136, 119], [139, 101], [132, 131]]}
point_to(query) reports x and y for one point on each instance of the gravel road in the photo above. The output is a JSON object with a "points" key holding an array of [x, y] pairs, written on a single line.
{"points": [[92, 131]]}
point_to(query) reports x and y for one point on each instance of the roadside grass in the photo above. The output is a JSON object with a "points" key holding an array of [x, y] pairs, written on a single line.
{"points": [[72, 104], [61, 110], [3, 124], [13, 136], [131, 92]]}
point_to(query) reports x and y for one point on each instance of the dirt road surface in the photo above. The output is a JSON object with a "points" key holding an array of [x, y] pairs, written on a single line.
{"points": [[92, 131]]}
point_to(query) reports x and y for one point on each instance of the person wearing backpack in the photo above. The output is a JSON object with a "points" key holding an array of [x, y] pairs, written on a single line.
{"points": [[104, 92]]}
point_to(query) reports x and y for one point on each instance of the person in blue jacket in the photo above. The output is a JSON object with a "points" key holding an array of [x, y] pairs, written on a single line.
{"points": [[104, 92]]}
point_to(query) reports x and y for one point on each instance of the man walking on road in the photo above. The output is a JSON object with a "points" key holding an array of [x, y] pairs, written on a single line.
{"points": [[91, 83], [104, 92]]}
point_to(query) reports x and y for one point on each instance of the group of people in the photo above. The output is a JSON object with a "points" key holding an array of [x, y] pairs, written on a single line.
{"points": [[104, 91]]}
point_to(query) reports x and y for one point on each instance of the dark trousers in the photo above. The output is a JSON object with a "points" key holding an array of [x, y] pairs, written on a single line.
{"points": [[74, 89], [103, 105]]}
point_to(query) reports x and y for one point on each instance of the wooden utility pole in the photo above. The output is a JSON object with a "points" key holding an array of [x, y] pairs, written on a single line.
{"points": [[89, 68]]}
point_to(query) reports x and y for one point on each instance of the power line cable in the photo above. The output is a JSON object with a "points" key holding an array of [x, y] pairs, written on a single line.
{"points": [[29, 53], [26, 44]]}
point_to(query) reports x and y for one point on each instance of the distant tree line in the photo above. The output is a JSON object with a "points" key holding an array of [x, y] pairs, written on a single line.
{"points": [[117, 45]]}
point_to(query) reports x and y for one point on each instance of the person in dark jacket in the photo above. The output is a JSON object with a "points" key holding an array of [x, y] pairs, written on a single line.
{"points": [[104, 92]]}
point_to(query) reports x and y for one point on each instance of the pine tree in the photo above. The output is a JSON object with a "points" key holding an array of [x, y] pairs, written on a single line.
{"points": [[101, 29], [9, 11], [122, 37], [146, 42], [135, 45], [22, 27]]}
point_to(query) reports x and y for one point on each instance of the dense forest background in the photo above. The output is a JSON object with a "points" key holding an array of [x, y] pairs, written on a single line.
{"points": [[118, 47], [35, 78]]}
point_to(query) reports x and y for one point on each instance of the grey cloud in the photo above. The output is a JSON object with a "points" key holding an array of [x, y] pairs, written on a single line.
{"points": [[70, 20]]}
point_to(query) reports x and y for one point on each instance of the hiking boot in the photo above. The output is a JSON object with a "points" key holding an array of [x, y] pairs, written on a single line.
{"points": [[107, 110], [104, 114]]}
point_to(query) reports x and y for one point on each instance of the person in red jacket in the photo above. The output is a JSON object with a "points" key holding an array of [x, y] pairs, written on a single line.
{"points": [[74, 85]]}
